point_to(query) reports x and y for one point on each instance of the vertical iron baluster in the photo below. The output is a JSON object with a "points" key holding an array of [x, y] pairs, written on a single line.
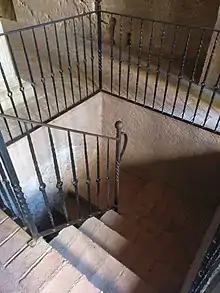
{"points": [[192, 79], [59, 184], [33, 84], [180, 75], [51, 68], [43, 81], [119, 57], [129, 41], [139, 59], [42, 186], [118, 126], [85, 58], [111, 61], [203, 84], [158, 63], [11, 194], [75, 179], [108, 174], [206, 272], [4, 197], [148, 61], [216, 88], [21, 87], [60, 65], [88, 180], [77, 60], [6, 122], [92, 54], [10, 95], [169, 66], [2, 204], [98, 10], [22, 203], [98, 178], [69, 62]]}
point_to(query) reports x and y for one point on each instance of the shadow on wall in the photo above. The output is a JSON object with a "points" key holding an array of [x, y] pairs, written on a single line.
{"points": [[197, 176], [192, 184]]}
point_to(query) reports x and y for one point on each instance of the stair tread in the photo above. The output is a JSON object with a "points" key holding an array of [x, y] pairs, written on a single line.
{"points": [[84, 286], [128, 282], [27, 258], [42, 272], [117, 223], [64, 238], [92, 260], [113, 220], [108, 271], [65, 279], [134, 256], [107, 238]]}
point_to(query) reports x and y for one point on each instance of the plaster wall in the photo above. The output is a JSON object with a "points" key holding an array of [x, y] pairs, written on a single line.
{"points": [[86, 117], [163, 148]]}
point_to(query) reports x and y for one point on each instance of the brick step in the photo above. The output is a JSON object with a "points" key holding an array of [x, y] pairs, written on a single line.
{"points": [[131, 254], [143, 248], [31, 267], [101, 269]]}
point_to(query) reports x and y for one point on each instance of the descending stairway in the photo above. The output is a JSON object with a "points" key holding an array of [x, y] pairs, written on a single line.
{"points": [[93, 258]]}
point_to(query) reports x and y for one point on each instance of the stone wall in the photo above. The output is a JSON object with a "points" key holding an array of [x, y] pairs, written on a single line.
{"points": [[7, 9], [211, 70], [34, 12], [185, 12], [196, 13]]}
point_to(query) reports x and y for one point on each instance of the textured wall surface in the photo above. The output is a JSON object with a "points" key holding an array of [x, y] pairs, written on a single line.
{"points": [[190, 12], [213, 72], [184, 12], [165, 148], [40, 11], [187, 12], [7, 9]]}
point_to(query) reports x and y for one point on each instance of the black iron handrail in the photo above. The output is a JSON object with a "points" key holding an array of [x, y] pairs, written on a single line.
{"points": [[161, 21], [112, 13], [12, 196], [55, 126]]}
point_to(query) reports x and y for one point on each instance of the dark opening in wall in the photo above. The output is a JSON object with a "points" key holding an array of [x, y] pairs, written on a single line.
{"points": [[7, 9]]}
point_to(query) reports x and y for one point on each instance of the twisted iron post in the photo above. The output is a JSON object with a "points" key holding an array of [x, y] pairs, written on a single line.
{"points": [[98, 10], [26, 214], [118, 126]]}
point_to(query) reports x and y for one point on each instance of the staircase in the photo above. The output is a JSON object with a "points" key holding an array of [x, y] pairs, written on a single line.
{"points": [[47, 175], [93, 258]]}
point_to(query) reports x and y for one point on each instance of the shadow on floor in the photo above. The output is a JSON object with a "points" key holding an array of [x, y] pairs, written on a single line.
{"points": [[168, 205]]}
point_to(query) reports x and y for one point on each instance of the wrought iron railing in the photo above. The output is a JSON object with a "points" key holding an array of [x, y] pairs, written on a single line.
{"points": [[54, 70], [205, 280], [168, 67], [84, 169]]}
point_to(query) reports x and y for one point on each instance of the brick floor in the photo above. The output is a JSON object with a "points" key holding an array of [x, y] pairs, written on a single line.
{"points": [[168, 224]]}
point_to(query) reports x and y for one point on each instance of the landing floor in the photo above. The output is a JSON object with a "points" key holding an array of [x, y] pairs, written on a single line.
{"points": [[168, 223]]}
